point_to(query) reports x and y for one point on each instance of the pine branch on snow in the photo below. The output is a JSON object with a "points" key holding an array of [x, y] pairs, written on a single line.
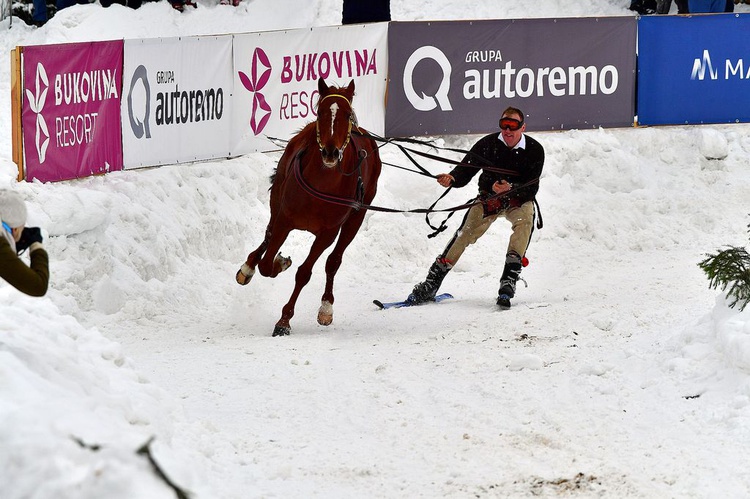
{"points": [[730, 270]]}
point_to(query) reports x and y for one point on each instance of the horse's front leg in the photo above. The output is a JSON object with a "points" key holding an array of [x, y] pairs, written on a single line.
{"points": [[348, 231], [322, 241]]}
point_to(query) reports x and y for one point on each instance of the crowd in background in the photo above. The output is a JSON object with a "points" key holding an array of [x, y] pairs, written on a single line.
{"points": [[645, 7], [353, 12], [43, 11], [359, 11]]}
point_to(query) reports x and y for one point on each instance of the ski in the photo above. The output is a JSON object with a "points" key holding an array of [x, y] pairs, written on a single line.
{"points": [[407, 303]]}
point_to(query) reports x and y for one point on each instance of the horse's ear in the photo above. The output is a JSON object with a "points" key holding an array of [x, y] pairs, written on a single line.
{"points": [[350, 89], [322, 87]]}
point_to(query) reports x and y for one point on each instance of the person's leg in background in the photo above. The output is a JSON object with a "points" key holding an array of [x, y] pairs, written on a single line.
{"points": [[40, 12]]}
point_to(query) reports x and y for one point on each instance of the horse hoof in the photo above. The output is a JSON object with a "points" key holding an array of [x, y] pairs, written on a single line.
{"points": [[282, 263], [244, 274], [281, 331], [325, 314], [241, 278]]}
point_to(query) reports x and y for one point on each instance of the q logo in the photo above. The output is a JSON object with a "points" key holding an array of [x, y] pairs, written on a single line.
{"points": [[140, 127], [423, 102], [36, 104]]}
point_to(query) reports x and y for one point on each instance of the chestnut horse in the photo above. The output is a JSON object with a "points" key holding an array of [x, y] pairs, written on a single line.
{"points": [[321, 182]]}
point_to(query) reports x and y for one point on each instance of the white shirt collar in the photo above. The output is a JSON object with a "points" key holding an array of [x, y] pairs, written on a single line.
{"points": [[521, 143]]}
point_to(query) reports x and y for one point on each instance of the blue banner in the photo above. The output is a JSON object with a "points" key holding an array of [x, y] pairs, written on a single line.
{"points": [[692, 69]]}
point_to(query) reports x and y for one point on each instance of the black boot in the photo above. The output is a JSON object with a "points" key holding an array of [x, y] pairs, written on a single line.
{"points": [[511, 273], [426, 290], [663, 6]]}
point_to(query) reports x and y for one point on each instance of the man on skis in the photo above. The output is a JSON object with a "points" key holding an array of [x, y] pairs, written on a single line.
{"points": [[511, 163]]}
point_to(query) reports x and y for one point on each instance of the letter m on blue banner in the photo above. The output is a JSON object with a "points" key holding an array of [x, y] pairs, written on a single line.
{"points": [[693, 69]]}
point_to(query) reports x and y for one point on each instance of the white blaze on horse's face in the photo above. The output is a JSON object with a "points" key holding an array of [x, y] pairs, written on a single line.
{"points": [[336, 153], [332, 147], [334, 108]]}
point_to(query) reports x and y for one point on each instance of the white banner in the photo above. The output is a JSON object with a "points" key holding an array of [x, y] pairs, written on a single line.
{"points": [[176, 100], [276, 79]]}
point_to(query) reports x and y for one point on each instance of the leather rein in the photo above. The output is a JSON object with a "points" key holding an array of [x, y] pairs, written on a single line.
{"points": [[357, 202]]}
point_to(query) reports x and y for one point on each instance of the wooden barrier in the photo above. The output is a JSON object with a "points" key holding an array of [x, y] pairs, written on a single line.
{"points": [[16, 96]]}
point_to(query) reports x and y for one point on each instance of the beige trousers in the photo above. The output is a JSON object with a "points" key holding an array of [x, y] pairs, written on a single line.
{"points": [[475, 224]]}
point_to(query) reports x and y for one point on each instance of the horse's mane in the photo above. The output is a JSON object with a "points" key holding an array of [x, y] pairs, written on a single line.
{"points": [[304, 136]]}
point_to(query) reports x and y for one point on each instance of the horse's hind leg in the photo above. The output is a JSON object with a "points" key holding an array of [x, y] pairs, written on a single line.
{"points": [[259, 257], [272, 263], [322, 241], [348, 231], [247, 270]]}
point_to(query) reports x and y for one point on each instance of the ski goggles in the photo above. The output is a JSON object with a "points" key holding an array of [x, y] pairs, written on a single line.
{"points": [[510, 124]]}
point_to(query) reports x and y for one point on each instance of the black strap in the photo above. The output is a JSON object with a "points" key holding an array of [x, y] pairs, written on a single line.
{"points": [[483, 163], [443, 225], [539, 221]]}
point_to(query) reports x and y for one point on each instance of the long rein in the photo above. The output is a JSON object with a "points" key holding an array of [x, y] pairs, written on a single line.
{"points": [[357, 203], [484, 164]]}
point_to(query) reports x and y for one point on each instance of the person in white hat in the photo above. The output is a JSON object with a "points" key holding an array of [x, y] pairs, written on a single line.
{"points": [[33, 279]]}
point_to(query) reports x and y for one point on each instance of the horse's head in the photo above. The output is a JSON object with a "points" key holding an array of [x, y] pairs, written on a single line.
{"points": [[335, 118]]}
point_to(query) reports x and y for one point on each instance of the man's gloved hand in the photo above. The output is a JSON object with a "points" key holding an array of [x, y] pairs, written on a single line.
{"points": [[29, 236]]}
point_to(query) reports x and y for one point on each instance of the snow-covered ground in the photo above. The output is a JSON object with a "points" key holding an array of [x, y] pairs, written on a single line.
{"points": [[618, 373]]}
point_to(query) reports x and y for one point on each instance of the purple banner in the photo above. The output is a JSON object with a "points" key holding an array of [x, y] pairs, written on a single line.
{"points": [[71, 110], [455, 77]]}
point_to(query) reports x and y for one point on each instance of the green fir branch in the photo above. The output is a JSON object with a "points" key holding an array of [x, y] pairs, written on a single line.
{"points": [[730, 270]]}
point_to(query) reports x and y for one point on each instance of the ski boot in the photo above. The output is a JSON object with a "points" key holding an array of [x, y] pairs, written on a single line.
{"points": [[511, 273], [426, 290]]}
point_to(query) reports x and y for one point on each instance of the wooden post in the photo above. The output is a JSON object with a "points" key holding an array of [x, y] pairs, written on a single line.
{"points": [[16, 99]]}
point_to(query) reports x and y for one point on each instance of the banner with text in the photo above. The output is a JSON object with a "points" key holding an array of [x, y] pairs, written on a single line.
{"points": [[276, 78], [176, 100], [458, 76], [71, 110], [692, 70]]}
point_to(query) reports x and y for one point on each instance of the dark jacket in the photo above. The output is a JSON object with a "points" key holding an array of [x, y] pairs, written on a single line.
{"points": [[31, 280], [524, 167]]}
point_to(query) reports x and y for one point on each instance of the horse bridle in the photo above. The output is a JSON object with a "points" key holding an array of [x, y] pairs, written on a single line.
{"points": [[348, 132]]}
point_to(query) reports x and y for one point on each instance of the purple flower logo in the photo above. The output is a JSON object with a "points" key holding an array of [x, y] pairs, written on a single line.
{"points": [[260, 73]]}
